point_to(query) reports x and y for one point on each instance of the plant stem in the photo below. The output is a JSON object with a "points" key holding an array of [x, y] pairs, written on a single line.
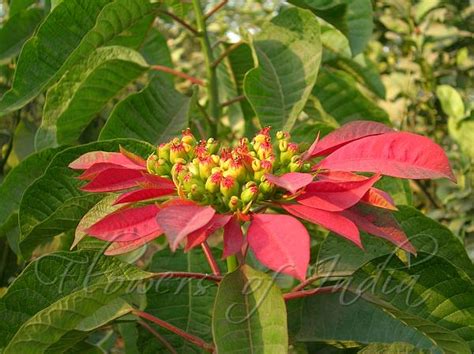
{"points": [[232, 263], [213, 93], [215, 9], [158, 336], [210, 259], [226, 52], [180, 21], [233, 100], [305, 293], [216, 278], [180, 74], [185, 335]]}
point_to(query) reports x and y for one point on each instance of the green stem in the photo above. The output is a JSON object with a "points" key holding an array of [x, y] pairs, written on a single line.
{"points": [[232, 263], [213, 93]]}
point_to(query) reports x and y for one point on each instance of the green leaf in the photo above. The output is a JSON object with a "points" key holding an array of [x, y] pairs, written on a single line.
{"points": [[18, 180], [353, 18], [451, 101], [249, 313], [53, 285], [430, 295], [363, 70], [429, 236], [231, 73], [288, 54], [16, 30], [104, 207], [83, 92], [73, 30], [463, 133], [156, 114], [338, 256], [53, 203], [185, 303], [393, 348], [16, 6], [340, 97], [344, 317], [399, 189]]}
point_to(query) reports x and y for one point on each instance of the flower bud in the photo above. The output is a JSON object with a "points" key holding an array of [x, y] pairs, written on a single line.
{"points": [[205, 166], [287, 155], [265, 151], [266, 166], [157, 166], [177, 151], [296, 164], [188, 138], [266, 187], [179, 171], [283, 145], [229, 186], [213, 182], [234, 203], [212, 146], [164, 151], [249, 193], [237, 170]]}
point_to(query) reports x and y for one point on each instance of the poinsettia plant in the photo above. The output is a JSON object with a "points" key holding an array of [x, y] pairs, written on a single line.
{"points": [[189, 189], [222, 176]]}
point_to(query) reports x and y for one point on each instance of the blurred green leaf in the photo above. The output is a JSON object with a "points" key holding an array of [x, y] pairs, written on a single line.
{"points": [[16, 30], [340, 97], [451, 101]]}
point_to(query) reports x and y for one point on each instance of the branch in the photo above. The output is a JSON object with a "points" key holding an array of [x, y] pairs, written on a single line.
{"points": [[180, 21], [305, 293], [215, 278], [304, 284], [233, 100], [215, 9], [213, 92], [226, 52], [158, 336], [178, 73], [185, 335], [210, 259]]}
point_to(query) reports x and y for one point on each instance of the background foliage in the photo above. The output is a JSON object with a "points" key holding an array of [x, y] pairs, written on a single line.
{"points": [[80, 75]]}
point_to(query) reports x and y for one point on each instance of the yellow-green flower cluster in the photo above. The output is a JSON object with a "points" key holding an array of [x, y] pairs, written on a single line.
{"points": [[229, 179]]}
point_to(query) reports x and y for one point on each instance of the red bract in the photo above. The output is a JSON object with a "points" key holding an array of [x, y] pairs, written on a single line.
{"points": [[189, 190]]}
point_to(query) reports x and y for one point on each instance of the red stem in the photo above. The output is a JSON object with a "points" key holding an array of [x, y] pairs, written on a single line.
{"points": [[305, 293], [216, 278], [158, 336], [215, 9], [180, 74], [189, 337], [181, 22], [233, 100], [210, 259], [304, 284]]}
